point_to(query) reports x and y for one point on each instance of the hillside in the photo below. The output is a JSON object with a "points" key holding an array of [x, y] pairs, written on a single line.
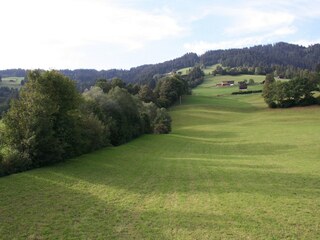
{"points": [[283, 54], [231, 169], [279, 54]]}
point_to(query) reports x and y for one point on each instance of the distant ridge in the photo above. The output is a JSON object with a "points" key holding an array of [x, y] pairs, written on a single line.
{"points": [[282, 54]]}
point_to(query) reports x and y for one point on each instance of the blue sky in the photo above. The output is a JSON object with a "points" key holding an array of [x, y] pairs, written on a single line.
{"points": [[104, 34]]}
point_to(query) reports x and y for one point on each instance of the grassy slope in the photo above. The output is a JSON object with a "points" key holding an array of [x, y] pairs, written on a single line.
{"points": [[11, 82], [208, 70], [231, 169]]}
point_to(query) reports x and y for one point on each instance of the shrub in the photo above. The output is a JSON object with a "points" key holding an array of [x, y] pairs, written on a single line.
{"points": [[13, 161], [162, 122], [247, 92]]}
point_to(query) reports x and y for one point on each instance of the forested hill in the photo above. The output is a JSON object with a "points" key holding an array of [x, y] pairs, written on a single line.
{"points": [[140, 74], [283, 54]]}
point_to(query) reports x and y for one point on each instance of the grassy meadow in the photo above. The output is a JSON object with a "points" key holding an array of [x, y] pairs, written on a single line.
{"points": [[11, 82], [207, 71], [230, 169]]}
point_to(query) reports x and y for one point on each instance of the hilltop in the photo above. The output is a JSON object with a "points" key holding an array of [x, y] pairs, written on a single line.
{"points": [[267, 56]]}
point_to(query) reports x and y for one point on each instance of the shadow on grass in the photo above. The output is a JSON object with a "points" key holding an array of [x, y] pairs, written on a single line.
{"points": [[53, 206], [145, 175], [219, 103], [209, 136], [74, 211]]}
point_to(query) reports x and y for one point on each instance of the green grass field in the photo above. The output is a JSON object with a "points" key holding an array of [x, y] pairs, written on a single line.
{"points": [[231, 169], [207, 71], [11, 82]]}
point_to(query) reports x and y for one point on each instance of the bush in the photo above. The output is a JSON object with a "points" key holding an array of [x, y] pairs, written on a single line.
{"points": [[272, 105], [247, 92], [251, 82], [13, 161], [162, 122], [308, 101], [296, 92]]}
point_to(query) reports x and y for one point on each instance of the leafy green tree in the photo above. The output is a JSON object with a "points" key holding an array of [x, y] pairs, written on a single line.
{"points": [[119, 111], [302, 89], [117, 82], [195, 77], [220, 70], [195, 73], [269, 79], [268, 91], [296, 92], [162, 122], [170, 89], [91, 133], [39, 123], [158, 118], [133, 88], [258, 71], [146, 94], [104, 84]]}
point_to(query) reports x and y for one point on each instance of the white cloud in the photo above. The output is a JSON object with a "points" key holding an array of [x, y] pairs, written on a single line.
{"points": [[248, 23], [89, 33], [253, 21], [299, 8], [54, 30], [202, 46], [306, 42], [270, 37]]}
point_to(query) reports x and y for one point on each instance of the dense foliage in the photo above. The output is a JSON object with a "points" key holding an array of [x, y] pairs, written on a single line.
{"points": [[297, 92], [246, 92], [142, 74], [51, 121], [170, 89], [6, 94], [281, 54], [195, 77]]}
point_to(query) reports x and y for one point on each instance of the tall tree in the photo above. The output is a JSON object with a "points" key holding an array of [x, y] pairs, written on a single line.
{"points": [[146, 94], [268, 92], [40, 122], [170, 89]]}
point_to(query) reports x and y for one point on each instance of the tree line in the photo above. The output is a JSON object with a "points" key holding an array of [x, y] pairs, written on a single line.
{"points": [[279, 54], [6, 94], [284, 59], [296, 92], [51, 120]]}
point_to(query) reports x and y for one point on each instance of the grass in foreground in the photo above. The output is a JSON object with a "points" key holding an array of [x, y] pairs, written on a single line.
{"points": [[231, 169]]}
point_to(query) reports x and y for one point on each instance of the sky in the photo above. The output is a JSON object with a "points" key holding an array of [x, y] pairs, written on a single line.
{"points": [[106, 34]]}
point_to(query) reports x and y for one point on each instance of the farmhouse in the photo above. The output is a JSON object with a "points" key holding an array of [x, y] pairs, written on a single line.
{"points": [[225, 83]]}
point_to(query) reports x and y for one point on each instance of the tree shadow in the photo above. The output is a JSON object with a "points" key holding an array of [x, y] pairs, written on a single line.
{"points": [[101, 195], [72, 207], [64, 211], [195, 173]]}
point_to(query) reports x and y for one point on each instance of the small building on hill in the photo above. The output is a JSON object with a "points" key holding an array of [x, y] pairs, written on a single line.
{"points": [[228, 83], [243, 85], [225, 83]]}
